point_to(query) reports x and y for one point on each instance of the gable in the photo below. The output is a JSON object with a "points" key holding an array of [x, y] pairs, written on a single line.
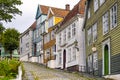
{"points": [[38, 13], [50, 13]]}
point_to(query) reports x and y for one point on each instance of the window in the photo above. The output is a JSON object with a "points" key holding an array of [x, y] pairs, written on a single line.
{"points": [[52, 35], [113, 16], [21, 39], [21, 49], [50, 22], [90, 63], [54, 48], [89, 37], [27, 45], [74, 53], [64, 36], [73, 29], [69, 32], [60, 39], [95, 5], [69, 54], [95, 61], [94, 30], [38, 21], [105, 23], [88, 13], [101, 1], [60, 58]]}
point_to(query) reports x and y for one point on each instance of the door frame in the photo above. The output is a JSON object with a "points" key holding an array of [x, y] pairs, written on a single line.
{"points": [[106, 42]]}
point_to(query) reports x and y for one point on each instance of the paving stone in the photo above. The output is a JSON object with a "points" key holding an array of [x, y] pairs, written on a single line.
{"points": [[42, 73]]}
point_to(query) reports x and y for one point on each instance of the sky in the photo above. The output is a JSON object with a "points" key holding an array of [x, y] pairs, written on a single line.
{"points": [[29, 8]]}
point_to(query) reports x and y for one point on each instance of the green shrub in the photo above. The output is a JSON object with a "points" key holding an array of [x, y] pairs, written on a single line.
{"points": [[9, 68]]}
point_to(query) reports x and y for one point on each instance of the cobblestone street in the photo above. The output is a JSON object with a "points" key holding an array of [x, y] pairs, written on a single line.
{"points": [[38, 72]]}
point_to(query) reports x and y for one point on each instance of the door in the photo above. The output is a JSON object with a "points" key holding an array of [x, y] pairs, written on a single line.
{"points": [[106, 60], [64, 59]]}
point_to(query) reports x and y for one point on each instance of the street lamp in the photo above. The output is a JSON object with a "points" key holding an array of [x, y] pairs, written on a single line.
{"points": [[94, 48]]}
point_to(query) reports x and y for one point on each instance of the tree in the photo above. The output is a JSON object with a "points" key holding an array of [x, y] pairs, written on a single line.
{"points": [[8, 9], [2, 28], [10, 40]]}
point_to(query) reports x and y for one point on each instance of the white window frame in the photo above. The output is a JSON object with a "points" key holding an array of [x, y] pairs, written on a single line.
{"points": [[90, 62], [113, 15], [95, 61], [69, 55], [69, 32], [73, 53], [89, 36], [64, 36], [94, 30], [105, 22], [73, 30], [96, 5]]}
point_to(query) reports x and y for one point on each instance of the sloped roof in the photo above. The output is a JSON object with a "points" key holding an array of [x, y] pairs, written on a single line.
{"points": [[33, 26], [79, 8], [57, 11]]}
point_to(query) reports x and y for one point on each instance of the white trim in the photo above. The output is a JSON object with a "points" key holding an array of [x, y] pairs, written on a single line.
{"points": [[103, 45]]}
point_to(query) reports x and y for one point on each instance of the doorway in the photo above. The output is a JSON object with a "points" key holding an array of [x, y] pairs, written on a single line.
{"points": [[64, 59]]}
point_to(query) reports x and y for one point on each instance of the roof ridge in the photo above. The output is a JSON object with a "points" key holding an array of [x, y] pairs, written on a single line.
{"points": [[53, 7]]}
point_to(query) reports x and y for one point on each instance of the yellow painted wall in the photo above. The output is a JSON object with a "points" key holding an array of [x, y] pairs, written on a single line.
{"points": [[58, 19]]}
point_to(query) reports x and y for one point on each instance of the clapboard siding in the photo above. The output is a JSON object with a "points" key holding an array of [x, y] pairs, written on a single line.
{"points": [[113, 35]]}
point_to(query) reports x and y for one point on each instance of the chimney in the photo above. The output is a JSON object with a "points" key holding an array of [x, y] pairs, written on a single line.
{"points": [[67, 7]]}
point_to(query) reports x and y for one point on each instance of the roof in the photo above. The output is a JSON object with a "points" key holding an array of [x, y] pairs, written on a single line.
{"points": [[79, 8], [57, 11], [33, 26], [44, 9]]}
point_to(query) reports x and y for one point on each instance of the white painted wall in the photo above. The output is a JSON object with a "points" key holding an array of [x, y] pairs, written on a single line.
{"points": [[26, 50], [80, 55]]}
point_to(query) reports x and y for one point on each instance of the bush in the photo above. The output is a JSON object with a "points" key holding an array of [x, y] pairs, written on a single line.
{"points": [[9, 68]]}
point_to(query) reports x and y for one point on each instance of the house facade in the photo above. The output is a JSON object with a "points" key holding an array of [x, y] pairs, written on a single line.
{"points": [[70, 40], [41, 16], [102, 30], [26, 47], [54, 16]]}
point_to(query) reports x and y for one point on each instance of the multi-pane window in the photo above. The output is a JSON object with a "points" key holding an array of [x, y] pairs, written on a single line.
{"points": [[64, 36], [69, 32], [89, 36], [90, 63], [74, 53], [73, 29], [113, 16], [60, 58], [94, 30], [54, 48], [69, 54], [105, 23], [95, 61], [60, 39], [101, 1], [52, 35], [50, 22], [88, 13], [95, 5]]}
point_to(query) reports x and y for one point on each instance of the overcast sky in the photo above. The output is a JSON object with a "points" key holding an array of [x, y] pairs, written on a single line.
{"points": [[29, 8]]}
